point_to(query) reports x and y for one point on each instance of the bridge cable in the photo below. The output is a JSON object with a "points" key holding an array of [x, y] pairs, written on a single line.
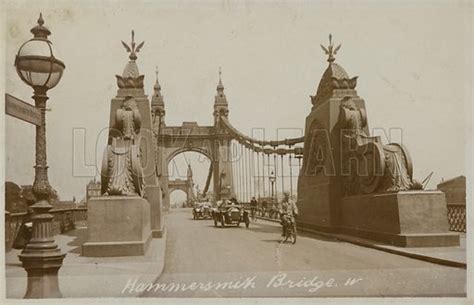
{"points": [[249, 177], [291, 175], [231, 129], [208, 180], [234, 182], [250, 173], [275, 166], [263, 173], [268, 174], [258, 174], [282, 175], [255, 178], [242, 171], [237, 165]]}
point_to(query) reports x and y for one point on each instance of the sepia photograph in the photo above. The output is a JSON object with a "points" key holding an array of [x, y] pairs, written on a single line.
{"points": [[301, 152]]}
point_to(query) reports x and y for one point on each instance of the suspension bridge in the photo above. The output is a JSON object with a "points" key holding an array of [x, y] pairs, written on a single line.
{"points": [[240, 166]]}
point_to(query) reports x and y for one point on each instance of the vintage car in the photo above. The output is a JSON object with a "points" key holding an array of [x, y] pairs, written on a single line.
{"points": [[227, 213], [202, 210]]}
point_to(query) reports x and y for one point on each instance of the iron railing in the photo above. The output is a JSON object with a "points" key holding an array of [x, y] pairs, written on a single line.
{"points": [[457, 217], [63, 220]]}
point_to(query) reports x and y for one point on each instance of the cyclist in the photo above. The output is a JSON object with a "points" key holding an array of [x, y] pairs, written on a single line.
{"points": [[288, 212], [253, 208]]}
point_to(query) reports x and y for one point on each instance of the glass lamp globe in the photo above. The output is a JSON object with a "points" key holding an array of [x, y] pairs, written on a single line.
{"points": [[36, 62]]}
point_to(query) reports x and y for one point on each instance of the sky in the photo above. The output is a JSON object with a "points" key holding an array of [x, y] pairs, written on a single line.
{"points": [[413, 61]]}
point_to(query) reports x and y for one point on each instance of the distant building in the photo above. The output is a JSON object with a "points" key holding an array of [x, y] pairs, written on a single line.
{"points": [[93, 189], [63, 205], [455, 190]]}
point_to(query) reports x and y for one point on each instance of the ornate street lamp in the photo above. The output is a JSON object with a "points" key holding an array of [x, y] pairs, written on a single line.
{"points": [[272, 179], [38, 67]]}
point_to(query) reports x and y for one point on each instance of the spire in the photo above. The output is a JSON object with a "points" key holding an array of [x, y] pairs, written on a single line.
{"points": [[157, 87], [220, 87], [220, 100], [157, 102]]}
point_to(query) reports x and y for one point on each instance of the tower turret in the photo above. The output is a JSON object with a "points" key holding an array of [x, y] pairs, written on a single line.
{"points": [[158, 104], [221, 107]]}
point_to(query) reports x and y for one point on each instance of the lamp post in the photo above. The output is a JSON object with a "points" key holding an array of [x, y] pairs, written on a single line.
{"points": [[272, 179], [38, 67]]}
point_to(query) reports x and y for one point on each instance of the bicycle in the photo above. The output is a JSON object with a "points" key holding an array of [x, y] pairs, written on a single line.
{"points": [[290, 229], [253, 214]]}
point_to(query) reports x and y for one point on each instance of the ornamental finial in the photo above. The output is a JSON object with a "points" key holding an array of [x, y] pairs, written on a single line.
{"points": [[156, 72], [220, 87], [132, 48], [40, 31], [40, 19], [330, 49]]}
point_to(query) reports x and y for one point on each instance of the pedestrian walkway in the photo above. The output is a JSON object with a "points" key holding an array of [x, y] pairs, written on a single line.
{"points": [[449, 256], [90, 276]]}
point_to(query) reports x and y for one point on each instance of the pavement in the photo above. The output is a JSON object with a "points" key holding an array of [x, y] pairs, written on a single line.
{"points": [[90, 276], [448, 256], [206, 261]]}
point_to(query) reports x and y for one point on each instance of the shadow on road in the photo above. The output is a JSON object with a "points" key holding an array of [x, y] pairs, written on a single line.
{"points": [[277, 241], [80, 235]]}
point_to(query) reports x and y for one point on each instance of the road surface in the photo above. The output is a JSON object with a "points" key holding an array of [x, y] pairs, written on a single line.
{"points": [[207, 261]]}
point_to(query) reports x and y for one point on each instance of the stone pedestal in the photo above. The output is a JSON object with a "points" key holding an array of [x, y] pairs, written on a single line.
{"points": [[153, 196], [41, 257], [405, 219], [117, 226]]}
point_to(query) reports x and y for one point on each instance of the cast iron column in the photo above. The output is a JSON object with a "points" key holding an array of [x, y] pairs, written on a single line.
{"points": [[42, 258]]}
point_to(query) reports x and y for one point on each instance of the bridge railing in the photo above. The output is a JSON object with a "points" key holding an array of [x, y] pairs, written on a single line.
{"points": [[457, 217], [63, 220], [13, 223], [265, 212]]}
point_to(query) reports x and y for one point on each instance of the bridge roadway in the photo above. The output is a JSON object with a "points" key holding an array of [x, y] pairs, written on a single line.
{"points": [[205, 261]]}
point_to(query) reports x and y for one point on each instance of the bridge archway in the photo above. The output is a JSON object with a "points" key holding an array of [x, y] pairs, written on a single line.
{"points": [[201, 150], [177, 197], [205, 140], [190, 170]]}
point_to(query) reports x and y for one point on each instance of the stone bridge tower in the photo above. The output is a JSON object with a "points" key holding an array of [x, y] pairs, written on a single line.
{"points": [[222, 161], [211, 141]]}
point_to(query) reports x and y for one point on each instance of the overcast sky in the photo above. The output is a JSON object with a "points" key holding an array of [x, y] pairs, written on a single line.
{"points": [[413, 63]]}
